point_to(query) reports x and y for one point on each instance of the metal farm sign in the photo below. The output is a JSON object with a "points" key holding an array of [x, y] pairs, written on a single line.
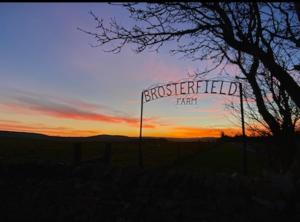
{"points": [[186, 93]]}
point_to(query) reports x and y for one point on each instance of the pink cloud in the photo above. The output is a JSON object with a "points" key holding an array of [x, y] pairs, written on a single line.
{"points": [[69, 109], [161, 72], [41, 128]]}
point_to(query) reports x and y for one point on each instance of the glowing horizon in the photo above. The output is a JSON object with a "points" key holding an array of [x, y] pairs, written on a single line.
{"points": [[180, 132]]}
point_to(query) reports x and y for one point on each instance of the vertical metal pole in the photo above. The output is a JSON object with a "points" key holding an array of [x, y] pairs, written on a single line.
{"points": [[244, 152], [141, 162]]}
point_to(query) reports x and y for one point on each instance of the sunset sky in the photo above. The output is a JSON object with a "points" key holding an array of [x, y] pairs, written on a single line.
{"points": [[54, 82]]}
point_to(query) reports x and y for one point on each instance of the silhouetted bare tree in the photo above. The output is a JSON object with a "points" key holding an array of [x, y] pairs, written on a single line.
{"points": [[267, 31], [263, 39], [269, 105]]}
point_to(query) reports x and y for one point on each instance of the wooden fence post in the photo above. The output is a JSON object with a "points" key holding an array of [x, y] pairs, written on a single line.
{"points": [[77, 153]]}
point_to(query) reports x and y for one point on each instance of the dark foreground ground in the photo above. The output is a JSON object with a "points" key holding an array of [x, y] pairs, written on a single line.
{"points": [[91, 192]]}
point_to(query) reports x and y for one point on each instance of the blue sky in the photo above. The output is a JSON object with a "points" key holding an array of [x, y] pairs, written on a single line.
{"points": [[46, 63]]}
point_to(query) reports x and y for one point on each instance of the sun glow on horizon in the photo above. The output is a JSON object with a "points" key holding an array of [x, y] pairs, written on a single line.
{"points": [[168, 132]]}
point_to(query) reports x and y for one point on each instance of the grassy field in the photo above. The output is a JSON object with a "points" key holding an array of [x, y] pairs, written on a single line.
{"points": [[206, 157], [223, 157]]}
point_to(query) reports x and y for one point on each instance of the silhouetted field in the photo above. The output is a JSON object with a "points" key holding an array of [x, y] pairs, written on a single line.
{"points": [[207, 157], [181, 181]]}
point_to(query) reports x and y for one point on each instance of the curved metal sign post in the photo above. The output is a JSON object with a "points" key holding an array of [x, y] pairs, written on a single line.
{"points": [[192, 88]]}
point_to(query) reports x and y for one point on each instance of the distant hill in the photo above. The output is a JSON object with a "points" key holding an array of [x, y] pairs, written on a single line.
{"points": [[10, 134], [100, 138], [27, 135]]}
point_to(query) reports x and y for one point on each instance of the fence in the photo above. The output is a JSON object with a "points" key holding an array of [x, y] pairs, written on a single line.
{"points": [[76, 152], [196, 155]]}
